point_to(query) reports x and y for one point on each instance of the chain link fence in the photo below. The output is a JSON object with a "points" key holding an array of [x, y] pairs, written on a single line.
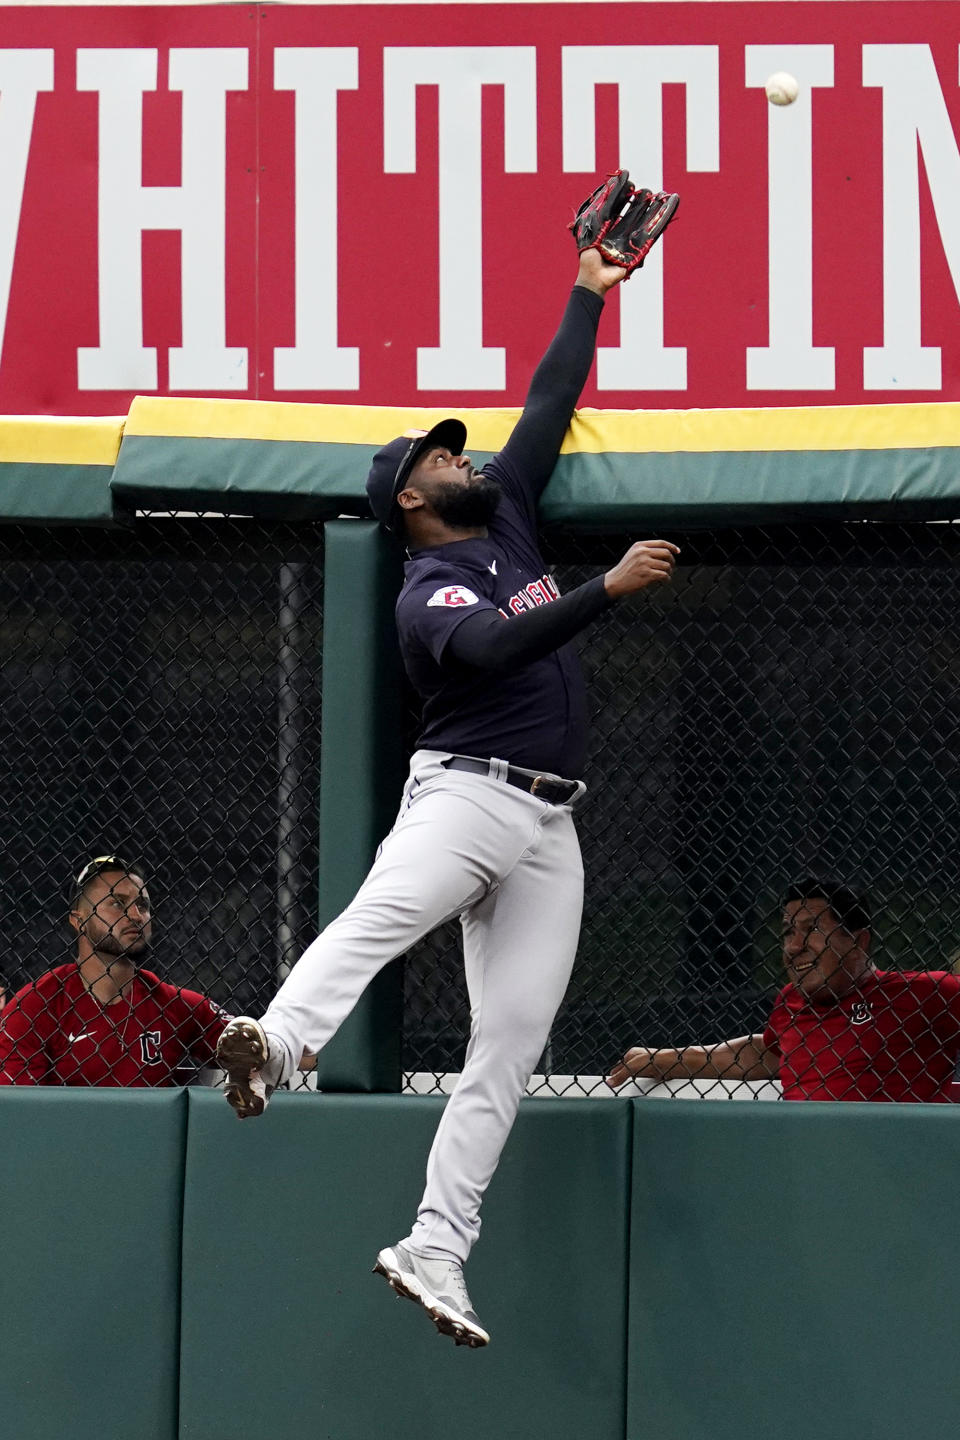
{"points": [[786, 707], [161, 701]]}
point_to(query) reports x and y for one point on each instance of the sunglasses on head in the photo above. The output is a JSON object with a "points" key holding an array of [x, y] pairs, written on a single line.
{"points": [[101, 862]]}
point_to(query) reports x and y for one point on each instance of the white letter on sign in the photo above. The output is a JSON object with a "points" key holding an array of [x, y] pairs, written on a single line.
{"points": [[23, 74], [791, 361], [196, 207], [640, 72], [316, 362], [460, 362], [913, 114]]}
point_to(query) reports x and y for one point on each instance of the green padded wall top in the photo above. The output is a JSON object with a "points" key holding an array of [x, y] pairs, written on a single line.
{"points": [[618, 468], [57, 495], [91, 1190], [613, 491], [56, 470]]}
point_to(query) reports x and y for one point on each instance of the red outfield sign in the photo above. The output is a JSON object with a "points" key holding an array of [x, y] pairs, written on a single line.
{"points": [[368, 204]]}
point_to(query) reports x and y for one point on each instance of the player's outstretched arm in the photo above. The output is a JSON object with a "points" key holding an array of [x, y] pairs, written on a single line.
{"points": [[613, 230], [487, 641], [534, 444], [561, 375], [744, 1059]]}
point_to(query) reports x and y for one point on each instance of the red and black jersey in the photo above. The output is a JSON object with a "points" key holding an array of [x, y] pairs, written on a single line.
{"points": [[55, 1032], [896, 1037]]}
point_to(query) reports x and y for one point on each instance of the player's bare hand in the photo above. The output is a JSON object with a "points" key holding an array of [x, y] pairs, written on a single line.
{"points": [[635, 1062], [648, 562], [597, 274]]}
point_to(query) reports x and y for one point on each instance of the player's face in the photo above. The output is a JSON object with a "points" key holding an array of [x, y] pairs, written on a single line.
{"points": [[822, 960], [456, 491], [115, 916]]}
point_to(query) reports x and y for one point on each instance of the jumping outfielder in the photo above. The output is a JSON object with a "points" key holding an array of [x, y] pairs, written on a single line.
{"points": [[485, 828]]}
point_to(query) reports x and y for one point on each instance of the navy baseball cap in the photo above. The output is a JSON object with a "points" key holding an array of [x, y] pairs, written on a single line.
{"points": [[392, 464]]}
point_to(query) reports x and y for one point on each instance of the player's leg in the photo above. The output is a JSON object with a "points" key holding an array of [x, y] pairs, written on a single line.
{"points": [[519, 946], [446, 849]]}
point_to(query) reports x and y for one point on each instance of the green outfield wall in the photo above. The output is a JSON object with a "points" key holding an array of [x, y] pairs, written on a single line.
{"points": [[688, 1270], [91, 1195]]}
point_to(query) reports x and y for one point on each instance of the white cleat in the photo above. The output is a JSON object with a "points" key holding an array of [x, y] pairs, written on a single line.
{"points": [[438, 1286], [242, 1051]]}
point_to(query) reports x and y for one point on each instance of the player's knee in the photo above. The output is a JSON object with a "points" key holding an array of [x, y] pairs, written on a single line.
{"points": [[519, 1045]]}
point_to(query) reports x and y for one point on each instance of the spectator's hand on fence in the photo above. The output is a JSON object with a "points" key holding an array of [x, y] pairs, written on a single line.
{"points": [[746, 1058], [636, 1062], [648, 562]]}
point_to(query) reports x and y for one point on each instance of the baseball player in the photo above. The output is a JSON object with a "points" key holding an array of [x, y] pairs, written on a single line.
{"points": [[485, 828], [102, 1019], [840, 1029]]}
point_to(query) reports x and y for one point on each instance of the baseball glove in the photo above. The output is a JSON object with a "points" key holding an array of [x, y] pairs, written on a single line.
{"points": [[623, 223], [599, 210]]}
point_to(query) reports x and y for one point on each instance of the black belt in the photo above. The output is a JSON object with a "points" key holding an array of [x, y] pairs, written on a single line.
{"points": [[545, 787]]}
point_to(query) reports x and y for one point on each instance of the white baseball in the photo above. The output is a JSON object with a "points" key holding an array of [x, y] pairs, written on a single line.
{"points": [[781, 88]]}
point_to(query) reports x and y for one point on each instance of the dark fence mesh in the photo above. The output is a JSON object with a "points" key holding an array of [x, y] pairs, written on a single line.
{"points": [[160, 700], [787, 706]]}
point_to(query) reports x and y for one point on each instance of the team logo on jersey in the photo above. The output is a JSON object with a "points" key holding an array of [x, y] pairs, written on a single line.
{"points": [[860, 1013], [538, 592], [453, 595], [150, 1047]]}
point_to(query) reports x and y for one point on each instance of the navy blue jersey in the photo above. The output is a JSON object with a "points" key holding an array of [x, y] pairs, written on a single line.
{"points": [[534, 715]]}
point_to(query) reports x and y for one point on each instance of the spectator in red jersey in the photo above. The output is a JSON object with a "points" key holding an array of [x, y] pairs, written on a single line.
{"points": [[840, 1029], [102, 1020]]}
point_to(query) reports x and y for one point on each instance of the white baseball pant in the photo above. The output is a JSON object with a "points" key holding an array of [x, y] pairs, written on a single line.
{"points": [[509, 865]]}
